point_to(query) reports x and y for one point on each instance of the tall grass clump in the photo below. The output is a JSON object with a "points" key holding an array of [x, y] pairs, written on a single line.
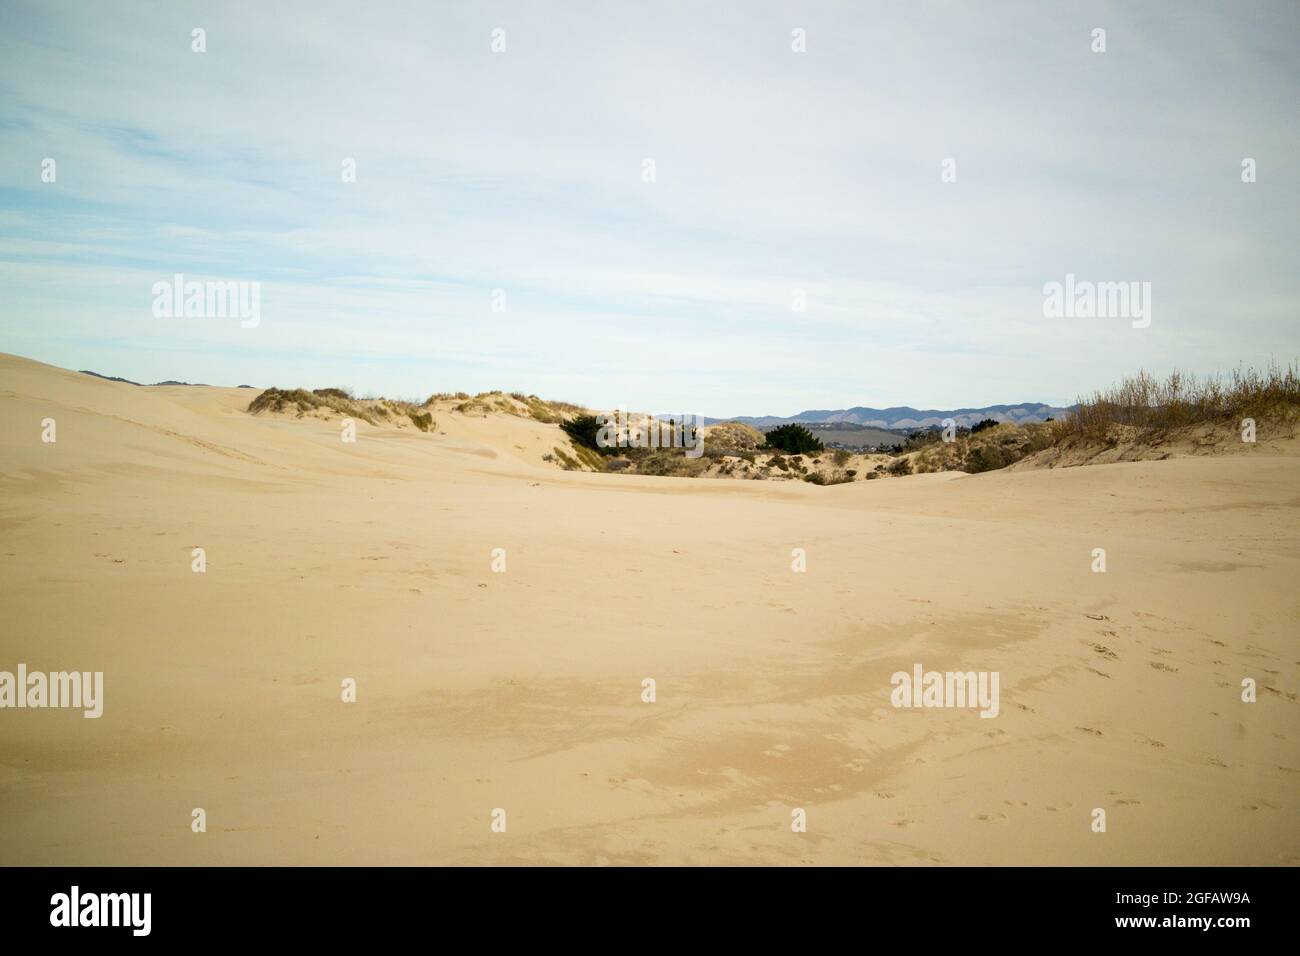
{"points": [[1144, 402]]}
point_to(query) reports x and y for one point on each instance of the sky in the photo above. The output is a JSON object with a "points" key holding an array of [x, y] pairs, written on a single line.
{"points": [[778, 173]]}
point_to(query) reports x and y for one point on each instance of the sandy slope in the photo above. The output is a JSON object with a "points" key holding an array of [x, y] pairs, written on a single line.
{"points": [[522, 690]]}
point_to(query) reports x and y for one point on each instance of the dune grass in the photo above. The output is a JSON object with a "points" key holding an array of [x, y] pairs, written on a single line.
{"points": [[337, 400], [1152, 404]]}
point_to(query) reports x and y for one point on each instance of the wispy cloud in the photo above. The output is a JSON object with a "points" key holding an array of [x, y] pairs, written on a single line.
{"points": [[776, 172]]}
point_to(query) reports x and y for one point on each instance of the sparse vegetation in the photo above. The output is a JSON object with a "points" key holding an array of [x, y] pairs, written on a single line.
{"points": [[1153, 405], [671, 462], [303, 401], [732, 438], [1138, 413]]}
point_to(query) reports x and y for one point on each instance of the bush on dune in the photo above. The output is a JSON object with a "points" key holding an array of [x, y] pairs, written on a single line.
{"points": [[303, 401], [584, 430], [900, 467], [732, 438], [793, 439]]}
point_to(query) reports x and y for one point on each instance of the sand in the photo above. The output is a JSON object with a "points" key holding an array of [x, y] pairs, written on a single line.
{"points": [[522, 690]]}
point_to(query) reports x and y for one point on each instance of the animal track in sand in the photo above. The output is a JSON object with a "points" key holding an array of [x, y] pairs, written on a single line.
{"points": [[995, 817], [1089, 730], [1161, 666]]}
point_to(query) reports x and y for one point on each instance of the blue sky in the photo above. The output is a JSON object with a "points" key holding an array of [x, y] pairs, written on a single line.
{"points": [[776, 171]]}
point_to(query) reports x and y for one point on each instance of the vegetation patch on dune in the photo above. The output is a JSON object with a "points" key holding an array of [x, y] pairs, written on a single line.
{"points": [[1139, 417], [303, 401], [795, 439], [340, 401], [979, 449], [1154, 406], [732, 438]]}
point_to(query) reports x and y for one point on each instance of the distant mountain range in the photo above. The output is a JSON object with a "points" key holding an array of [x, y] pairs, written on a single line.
{"points": [[904, 416]]}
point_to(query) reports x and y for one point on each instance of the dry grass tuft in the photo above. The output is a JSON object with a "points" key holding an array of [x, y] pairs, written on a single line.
{"points": [[1151, 405], [303, 401]]}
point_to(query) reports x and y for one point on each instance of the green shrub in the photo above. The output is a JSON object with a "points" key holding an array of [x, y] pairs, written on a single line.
{"points": [[794, 439], [422, 421], [987, 458], [584, 430]]}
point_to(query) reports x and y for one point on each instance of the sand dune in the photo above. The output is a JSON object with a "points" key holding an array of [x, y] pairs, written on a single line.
{"points": [[522, 690]]}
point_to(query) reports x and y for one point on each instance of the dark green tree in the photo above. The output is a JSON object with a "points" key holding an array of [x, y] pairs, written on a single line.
{"points": [[584, 429], [793, 439]]}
